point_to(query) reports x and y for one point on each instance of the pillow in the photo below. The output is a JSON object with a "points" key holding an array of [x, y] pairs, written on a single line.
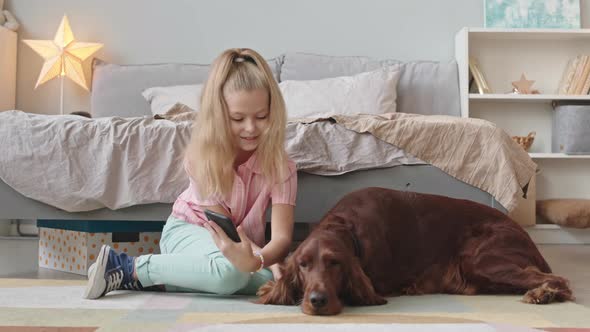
{"points": [[425, 87], [566, 212], [372, 92], [163, 98]]}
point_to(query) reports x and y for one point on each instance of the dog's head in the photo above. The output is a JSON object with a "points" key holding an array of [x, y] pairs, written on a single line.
{"points": [[322, 274]]}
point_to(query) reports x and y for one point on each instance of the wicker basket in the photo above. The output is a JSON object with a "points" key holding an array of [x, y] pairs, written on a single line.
{"points": [[525, 141]]}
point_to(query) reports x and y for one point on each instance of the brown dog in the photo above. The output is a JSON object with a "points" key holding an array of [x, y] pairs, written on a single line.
{"points": [[377, 242]]}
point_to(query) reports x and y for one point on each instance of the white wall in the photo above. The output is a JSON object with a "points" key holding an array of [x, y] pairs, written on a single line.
{"points": [[195, 31]]}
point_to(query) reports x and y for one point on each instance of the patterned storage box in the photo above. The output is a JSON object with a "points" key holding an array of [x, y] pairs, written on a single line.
{"points": [[72, 245]]}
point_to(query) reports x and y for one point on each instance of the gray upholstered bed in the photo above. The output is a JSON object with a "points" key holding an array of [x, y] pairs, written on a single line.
{"points": [[315, 196], [424, 88]]}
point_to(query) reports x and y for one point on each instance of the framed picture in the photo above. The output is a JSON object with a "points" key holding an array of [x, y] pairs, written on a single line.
{"points": [[478, 78], [556, 14]]}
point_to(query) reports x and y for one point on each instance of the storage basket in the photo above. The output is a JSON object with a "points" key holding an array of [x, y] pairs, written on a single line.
{"points": [[571, 128], [525, 141]]}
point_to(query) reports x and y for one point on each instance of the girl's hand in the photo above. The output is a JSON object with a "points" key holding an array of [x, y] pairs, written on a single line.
{"points": [[276, 271], [238, 253], [275, 268]]}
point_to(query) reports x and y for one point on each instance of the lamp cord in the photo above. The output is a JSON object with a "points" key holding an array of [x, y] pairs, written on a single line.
{"points": [[61, 96]]}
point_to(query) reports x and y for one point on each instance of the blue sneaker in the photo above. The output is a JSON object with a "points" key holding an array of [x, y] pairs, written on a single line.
{"points": [[110, 272]]}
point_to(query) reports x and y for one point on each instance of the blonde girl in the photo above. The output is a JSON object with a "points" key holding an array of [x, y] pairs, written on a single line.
{"points": [[237, 166]]}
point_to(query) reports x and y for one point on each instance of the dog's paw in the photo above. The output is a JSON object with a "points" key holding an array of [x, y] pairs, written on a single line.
{"points": [[380, 301], [411, 290], [538, 296]]}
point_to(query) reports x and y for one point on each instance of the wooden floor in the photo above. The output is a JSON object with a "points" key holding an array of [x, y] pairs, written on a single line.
{"points": [[18, 259]]}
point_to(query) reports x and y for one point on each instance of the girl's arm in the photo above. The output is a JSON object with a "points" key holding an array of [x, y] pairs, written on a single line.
{"points": [[282, 221]]}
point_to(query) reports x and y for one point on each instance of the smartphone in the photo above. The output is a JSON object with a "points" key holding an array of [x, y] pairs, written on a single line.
{"points": [[225, 223]]}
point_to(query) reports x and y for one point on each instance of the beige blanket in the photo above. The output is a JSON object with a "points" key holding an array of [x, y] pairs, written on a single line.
{"points": [[80, 164], [472, 150]]}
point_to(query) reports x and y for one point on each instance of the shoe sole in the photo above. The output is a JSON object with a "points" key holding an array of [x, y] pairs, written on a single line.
{"points": [[96, 282]]}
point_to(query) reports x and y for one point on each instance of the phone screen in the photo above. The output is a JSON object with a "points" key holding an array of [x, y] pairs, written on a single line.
{"points": [[225, 223]]}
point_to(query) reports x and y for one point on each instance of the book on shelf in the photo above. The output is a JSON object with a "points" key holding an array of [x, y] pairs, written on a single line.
{"points": [[480, 81], [576, 77], [586, 86], [582, 81], [584, 74], [568, 75]]}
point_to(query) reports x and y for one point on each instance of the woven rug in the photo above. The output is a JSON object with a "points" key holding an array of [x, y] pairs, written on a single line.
{"points": [[56, 305]]}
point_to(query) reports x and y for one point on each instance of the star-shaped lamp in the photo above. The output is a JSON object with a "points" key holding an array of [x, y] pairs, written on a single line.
{"points": [[63, 57], [523, 86]]}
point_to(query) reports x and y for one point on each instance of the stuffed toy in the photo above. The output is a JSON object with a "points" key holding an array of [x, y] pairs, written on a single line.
{"points": [[7, 20]]}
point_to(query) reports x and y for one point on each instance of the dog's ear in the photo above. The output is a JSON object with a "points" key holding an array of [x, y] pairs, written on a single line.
{"points": [[359, 289], [286, 291]]}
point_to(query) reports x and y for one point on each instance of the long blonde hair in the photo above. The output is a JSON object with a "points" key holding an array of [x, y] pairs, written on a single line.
{"points": [[211, 151]]}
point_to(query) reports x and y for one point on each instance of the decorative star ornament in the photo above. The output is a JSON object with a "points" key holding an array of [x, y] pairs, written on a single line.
{"points": [[523, 85], [63, 55]]}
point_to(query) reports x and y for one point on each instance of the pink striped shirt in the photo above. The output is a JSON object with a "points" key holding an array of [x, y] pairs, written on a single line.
{"points": [[249, 199]]}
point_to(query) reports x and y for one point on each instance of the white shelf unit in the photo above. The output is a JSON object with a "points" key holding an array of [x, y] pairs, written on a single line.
{"points": [[542, 55], [8, 43], [537, 155], [542, 98]]}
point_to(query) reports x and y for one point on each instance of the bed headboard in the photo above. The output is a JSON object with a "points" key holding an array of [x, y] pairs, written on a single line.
{"points": [[116, 89], [425, 87]]}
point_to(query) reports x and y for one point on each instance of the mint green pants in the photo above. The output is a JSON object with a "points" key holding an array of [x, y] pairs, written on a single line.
{"points": [[191, 262]]}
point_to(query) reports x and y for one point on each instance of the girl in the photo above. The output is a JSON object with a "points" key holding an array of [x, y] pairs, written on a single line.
{"points": [[237, 164]]}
